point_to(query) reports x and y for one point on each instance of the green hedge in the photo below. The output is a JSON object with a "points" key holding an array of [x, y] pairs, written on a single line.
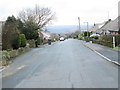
{"points": [[105, 43], [107, 40], [110, 38]]}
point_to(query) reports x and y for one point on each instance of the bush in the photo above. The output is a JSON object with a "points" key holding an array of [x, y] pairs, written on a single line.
{"points": [[103, 42], [16, 43], [22, 40], [119, 45], [31, 43], [13, 53], [86, 34], [5, 58], [7, 55], [10, 33], [96, 37], [39, 41], [110, 38]]}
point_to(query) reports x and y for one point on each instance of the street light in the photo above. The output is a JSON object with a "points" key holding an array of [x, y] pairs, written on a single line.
{"points": [[79, 24], [87, 28]]}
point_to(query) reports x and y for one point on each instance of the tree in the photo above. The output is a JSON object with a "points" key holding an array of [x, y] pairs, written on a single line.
{"points": [[39, 15], [86, 34], [22, 40], [9, 33], [20, 25], [30, 30]]}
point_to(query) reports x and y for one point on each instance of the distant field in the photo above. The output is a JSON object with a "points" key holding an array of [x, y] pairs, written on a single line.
{"points": [[64, 28]]}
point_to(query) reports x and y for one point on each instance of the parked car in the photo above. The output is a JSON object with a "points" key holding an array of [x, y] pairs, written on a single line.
{"points": [[62, 38], [94, 35]]}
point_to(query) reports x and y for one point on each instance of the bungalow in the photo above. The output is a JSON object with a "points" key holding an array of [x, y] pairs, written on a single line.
{"points": [[96, 27], [110, 27], [46, 34]]}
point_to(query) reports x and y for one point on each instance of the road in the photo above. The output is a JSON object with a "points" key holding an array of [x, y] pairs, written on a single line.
{"points": [[65, 64]]}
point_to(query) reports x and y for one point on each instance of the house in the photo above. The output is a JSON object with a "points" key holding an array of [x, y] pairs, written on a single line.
{"points": [[40, 34], [96, 27], [46, 34], [110, 27], [54, 36]]}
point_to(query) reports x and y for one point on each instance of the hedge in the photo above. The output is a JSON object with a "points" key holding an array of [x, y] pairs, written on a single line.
{"points": [[107, 40]]}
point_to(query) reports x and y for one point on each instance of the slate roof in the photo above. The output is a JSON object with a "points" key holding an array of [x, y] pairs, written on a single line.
{"points": [[111, 26], [108, 26]]}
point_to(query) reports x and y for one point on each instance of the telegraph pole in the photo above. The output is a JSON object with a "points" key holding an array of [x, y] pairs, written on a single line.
{"points": [[79, 24]]}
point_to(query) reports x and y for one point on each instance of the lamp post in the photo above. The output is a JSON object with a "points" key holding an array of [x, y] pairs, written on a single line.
{"points": [[87, 38], [87, 28], [79, 24]]}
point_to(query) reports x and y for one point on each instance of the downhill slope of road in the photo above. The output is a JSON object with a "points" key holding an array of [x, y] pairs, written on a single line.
{"points": [[65, 64]]}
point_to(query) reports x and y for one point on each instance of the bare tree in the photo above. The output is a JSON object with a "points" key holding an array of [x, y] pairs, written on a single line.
{"points": [[40, 15]]}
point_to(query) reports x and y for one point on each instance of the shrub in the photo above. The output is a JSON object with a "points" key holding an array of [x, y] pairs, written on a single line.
{"points": [[13, 53], [119, 45], [9, 33], [86, 34], [22, 40], [16, 43], [96, 37], [39, 41], [31, 43], [103, 42]]}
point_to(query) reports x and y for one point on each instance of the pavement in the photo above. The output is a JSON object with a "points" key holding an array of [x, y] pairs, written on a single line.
{"points": [[107, 53], [65, 64]]}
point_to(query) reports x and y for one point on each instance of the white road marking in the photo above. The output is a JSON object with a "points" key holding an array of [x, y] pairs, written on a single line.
{"points": [[115, 62], [14, 71], [19, 68]]}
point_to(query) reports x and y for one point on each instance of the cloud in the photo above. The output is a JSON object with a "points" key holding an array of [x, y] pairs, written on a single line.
{"points": [[67, 11]]}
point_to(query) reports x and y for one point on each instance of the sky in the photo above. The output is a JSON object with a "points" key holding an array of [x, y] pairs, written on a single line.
{"points": [[67, 11]]}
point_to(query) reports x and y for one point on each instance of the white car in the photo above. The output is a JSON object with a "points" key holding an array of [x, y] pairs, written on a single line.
{"points": [[94, 35], [62, 39]]}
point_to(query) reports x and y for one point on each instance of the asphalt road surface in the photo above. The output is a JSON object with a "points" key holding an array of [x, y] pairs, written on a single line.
{"points": [[65, 64]]}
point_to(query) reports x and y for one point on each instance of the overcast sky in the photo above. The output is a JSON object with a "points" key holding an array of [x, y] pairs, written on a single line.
{"points": [[67, 11]]}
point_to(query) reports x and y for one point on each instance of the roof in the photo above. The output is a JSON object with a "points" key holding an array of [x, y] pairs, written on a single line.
{"points": [[46, 34], [111, 26], [96, 27]]}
